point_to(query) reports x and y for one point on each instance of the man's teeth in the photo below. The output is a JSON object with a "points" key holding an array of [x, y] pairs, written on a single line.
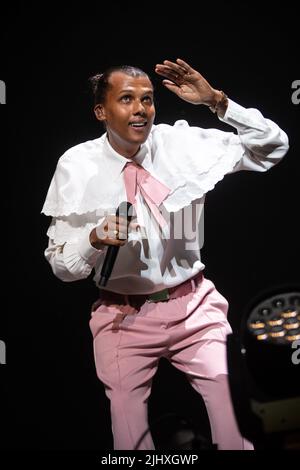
{"points": [[138, 124]]}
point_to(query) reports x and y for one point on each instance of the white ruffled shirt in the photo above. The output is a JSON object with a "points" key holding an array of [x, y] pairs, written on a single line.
{"points": [[88, 183]]}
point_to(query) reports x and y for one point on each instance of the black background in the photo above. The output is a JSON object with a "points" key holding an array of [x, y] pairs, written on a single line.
{"points": [[54, 400]]}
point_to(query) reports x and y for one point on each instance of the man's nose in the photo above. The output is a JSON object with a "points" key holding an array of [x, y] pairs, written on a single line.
{"points": [[138, 107]]}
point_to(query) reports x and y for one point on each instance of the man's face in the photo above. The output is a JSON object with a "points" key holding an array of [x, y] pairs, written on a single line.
{"points": [[128, 112]]}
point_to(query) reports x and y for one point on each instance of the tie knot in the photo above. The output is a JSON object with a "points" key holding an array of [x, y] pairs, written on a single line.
{"points": [[133, 170], [136, 178], [132, 165]]}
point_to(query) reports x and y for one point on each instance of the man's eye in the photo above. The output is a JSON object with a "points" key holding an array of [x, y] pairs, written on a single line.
{"points": [[148, 99], [125, 98]]}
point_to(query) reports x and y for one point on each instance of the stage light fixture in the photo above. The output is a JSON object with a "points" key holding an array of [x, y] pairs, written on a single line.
{"points": [[264, 379]]}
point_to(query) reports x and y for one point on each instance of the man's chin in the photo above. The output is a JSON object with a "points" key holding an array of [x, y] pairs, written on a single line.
{"points": [[140, 139]]}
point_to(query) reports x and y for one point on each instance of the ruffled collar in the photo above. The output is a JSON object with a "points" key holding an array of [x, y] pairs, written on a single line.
{"points": [[188, 160]]}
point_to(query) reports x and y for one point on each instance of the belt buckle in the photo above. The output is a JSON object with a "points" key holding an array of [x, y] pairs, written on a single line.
{"points": [[159, 296]]}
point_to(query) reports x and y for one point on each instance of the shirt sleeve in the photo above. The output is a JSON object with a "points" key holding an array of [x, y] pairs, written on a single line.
{"points": [[72, 260], [191, 160], [263, 142]]}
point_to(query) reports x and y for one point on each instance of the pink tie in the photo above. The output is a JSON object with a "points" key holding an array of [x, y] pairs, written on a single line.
{"points": [[153, 191]]}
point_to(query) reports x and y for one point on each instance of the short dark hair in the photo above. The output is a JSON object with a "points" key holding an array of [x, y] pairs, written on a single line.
{"points": [[100, 82]]}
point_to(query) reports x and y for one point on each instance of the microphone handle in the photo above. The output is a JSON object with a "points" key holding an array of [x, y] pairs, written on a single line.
{"points": [[109, 261], [113, 250]]}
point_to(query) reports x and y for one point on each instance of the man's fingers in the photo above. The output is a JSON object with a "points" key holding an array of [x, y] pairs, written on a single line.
{"points": [[122, 235], [174, 70], [115, 228], [121, 220], [117, 224], [173, 65], [112, 232], [164, 69], [176, 67], [116, 219], [186, 67], [171, 86], [171, 75], [114, 242]]}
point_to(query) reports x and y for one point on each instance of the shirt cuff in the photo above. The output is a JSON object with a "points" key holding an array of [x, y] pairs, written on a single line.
{"points": [[241, 118], [87, 251]]}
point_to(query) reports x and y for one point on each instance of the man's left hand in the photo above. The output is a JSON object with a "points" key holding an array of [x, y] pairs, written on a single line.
{"points": [[187, 83]]}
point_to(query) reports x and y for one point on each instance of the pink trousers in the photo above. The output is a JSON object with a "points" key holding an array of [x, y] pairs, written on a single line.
{"points": [[189, 331]]}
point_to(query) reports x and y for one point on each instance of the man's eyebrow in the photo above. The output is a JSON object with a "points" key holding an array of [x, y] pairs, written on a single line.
{"points": [[130, 90]]}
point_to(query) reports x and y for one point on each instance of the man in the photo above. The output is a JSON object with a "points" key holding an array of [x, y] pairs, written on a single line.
{"points": [[157, 302]]}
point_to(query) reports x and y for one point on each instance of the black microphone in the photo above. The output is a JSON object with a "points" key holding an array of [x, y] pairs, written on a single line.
{"points": [[112, 251]]}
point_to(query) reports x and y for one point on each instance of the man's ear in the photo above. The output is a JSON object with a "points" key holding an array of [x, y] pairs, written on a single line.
{"points": [[99, 112]]}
